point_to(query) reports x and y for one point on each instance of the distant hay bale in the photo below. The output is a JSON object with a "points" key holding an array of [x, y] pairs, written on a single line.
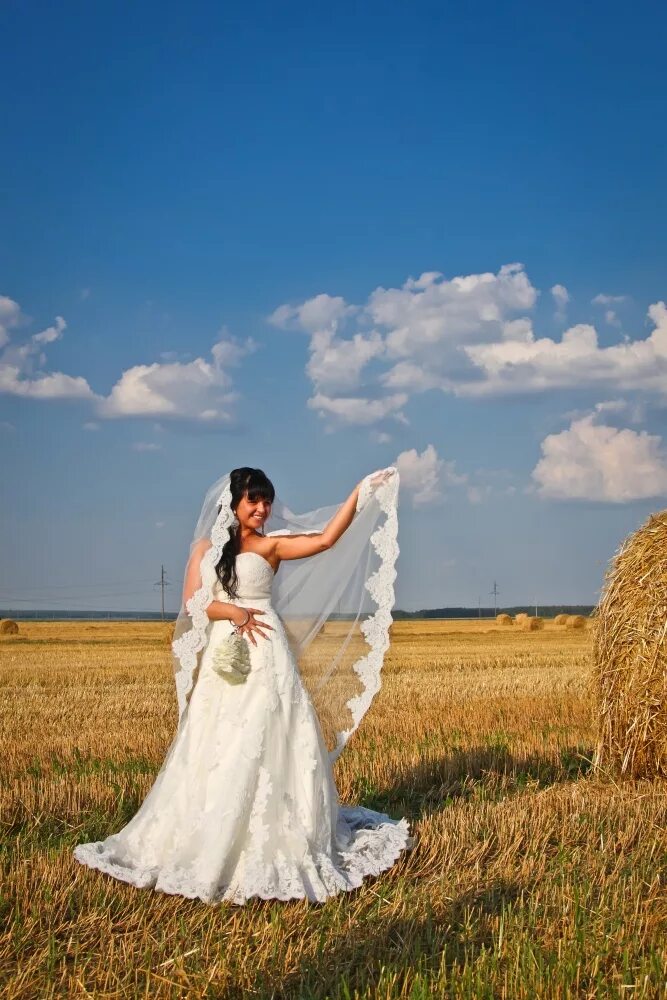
{"points": [[169, 633], [575, 621], [8, 627], [521, 617], [528, 624], [503, 619], [630, 656], [561, 619]]}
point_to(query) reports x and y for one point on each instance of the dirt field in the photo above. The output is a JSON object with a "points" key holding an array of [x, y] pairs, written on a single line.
{"points": [[530, 878]]}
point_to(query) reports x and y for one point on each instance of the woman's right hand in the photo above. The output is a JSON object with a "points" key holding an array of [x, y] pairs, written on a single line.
{"points": [[250, 626]]}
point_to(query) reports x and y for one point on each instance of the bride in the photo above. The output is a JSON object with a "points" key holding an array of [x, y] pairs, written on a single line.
{"points": [[245, 803]]}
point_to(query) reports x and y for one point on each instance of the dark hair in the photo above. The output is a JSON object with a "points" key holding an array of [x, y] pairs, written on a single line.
{"points": [[258, 486]]}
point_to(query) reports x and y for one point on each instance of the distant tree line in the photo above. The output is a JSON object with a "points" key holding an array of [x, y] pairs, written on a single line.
{"points": [[545, 610]]}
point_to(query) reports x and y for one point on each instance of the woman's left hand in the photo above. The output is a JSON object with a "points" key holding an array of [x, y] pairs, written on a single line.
{"points": [[382, 476], [252, 625]]}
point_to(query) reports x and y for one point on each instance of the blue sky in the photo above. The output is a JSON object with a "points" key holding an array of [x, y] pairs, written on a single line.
{"points": [[321, 241]]}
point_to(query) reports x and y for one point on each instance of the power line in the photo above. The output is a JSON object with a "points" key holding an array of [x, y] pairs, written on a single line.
{"points": [[81, 586], [66, 610], [72, 597]]}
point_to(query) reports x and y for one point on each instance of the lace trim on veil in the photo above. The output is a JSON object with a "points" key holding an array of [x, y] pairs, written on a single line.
{"points": [[191, 642], [380, 586]]}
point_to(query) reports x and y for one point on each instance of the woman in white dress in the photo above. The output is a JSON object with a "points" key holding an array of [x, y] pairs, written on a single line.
{"points": [[245, 803]]}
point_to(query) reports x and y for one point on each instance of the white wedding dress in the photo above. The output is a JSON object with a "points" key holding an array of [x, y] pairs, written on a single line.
{"points": [[246, 804]]}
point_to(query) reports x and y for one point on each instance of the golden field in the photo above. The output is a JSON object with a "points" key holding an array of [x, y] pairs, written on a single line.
{"points": [[531, 877]]}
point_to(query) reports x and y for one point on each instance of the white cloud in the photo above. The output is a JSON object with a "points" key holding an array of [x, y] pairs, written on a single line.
{"points": [[611, 406], [419, 326], [380, 437], [359, 409], [608, 300], [469, 336], [21, 364], [54, 385], [10, 317], [520, 330], [196, 390], [592, 461], [146, 446], [420, 474], [319, 313], [607, 406], [199, 389], [412, 377], [427, 316], [230, 352], [576, 360], [336, 364], [51, 333], [425, 476], [561, 297]]}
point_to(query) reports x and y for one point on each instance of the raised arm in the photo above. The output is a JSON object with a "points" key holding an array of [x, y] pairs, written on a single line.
{"points": [[301, 546]]}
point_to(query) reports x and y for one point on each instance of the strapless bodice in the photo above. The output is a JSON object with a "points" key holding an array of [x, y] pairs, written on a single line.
{"points": [[255, 579]]}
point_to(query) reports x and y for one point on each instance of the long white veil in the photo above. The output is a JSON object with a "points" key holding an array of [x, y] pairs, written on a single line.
{"points": [[335, 606]]}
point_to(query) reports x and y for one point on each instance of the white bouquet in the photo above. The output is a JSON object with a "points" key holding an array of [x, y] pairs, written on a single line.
{"points": [[231, 659]]}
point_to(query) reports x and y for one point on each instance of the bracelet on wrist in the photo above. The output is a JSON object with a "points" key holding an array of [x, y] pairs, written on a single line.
{"points": [[241, 624]]}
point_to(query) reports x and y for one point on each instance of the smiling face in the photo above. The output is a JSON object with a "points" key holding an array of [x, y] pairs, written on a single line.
{"points": [[253, 513]]}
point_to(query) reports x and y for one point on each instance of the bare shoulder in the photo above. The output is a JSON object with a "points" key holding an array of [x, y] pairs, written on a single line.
{"points": [[263, 546], [267, 548]]}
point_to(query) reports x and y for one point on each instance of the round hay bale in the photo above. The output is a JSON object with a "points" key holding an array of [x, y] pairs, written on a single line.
{"points": [[561, 619], [529, 624], [575, 621], [504, 619], [169, 633], [521, 617], [8, 627], [630, 656]]}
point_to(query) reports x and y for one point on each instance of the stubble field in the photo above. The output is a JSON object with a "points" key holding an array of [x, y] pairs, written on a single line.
{"points": [[530, 877]]}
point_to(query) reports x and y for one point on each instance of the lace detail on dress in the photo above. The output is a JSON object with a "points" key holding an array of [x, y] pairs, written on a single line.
{"points": [[380, 585], [315, 877], [259, 830]]}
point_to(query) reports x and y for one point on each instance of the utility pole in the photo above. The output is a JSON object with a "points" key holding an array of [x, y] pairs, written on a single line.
{"points": [[495, 593], [479, 606], [162, 583]]}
